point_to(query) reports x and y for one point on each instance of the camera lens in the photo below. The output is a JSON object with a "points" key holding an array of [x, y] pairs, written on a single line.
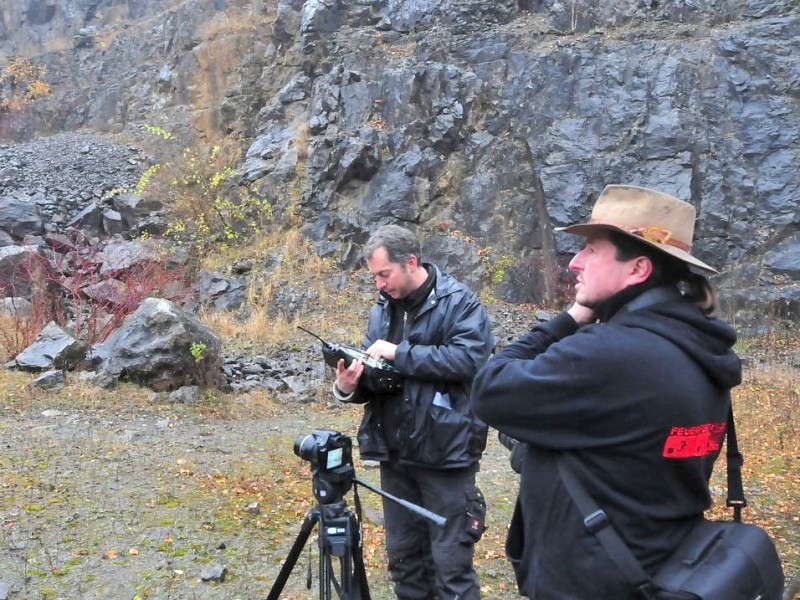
{"points": [[304, 447]]}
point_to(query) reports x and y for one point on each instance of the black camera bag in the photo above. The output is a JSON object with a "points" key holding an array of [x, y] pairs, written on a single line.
{"points": [[722, 560], [718, 560]]}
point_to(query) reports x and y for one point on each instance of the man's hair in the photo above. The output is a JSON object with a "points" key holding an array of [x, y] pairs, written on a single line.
{"points": [[669, 270], [400, 244]]}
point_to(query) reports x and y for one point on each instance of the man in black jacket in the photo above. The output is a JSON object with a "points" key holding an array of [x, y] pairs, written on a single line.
{"points": [[436, 332], [633, 381]]}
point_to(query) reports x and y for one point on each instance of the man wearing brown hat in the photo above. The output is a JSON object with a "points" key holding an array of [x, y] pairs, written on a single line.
{"points": [[632, 384]]}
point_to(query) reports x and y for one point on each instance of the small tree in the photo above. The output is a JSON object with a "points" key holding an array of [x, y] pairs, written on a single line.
{"points": [[65, 284], [208, 207], [21, 82]]}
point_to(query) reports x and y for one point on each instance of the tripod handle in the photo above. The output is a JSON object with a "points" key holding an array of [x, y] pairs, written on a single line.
{"points": [[423, 512]]}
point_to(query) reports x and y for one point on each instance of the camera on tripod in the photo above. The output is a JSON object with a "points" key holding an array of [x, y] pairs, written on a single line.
{"points": [[331, 456], [325, 449]]}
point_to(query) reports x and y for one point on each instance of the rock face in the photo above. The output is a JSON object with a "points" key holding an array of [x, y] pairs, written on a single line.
{"points": [[484, 125], [192, 65]]}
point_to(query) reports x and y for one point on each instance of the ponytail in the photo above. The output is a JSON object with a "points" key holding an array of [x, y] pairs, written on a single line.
{"points": [[698, 289]]}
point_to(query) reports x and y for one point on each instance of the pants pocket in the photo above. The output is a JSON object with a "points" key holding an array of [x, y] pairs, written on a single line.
{"points": [[475, 522]]}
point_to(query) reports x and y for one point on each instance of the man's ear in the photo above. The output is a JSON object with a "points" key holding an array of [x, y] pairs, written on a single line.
{"points": [[641, 269], [413, 262]]}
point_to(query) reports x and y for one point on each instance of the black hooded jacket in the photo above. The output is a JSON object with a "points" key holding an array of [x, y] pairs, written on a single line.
{"points": [[640, 402]]}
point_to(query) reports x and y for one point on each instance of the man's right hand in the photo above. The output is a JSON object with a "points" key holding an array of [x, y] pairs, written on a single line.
{"points": [[581, 314], [347, 377]]}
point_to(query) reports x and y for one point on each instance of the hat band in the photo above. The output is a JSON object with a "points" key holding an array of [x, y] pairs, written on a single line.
{"points": [[651, 233]]}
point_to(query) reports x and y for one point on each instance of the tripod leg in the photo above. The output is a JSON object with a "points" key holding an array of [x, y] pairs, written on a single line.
{"points": [[334, 543], [305, 530], [327, 575]]}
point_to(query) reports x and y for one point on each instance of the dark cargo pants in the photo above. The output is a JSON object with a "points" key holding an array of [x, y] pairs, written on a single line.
{"points": [[426, 561]]}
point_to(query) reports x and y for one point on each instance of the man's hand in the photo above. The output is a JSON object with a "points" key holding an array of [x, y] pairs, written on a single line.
{"points": [[581, 314], [347, 377], [382, 349]]}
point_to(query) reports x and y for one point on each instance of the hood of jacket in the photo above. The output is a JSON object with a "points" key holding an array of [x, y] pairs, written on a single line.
{"points": [[707, 341]]}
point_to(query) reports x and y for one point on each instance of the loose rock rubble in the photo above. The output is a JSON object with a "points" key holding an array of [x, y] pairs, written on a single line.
{"points": [[63, 173]]}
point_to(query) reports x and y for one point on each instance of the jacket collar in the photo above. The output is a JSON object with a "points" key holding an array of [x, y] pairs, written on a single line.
{"points": [[442, 287]]}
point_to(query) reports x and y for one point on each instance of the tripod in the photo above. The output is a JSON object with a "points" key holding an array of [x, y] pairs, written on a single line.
{"points": [[339, 536]]}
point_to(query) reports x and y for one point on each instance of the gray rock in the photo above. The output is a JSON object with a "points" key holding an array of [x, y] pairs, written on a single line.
{"points": [[19, 267], [19, 216], [51, 380], [187, 394], [15, 308], [214, 572], [153, 347], [53, 347]]}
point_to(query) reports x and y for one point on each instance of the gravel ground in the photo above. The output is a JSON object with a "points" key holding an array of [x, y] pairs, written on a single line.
{"points": [[107, 501], [117, 496]]}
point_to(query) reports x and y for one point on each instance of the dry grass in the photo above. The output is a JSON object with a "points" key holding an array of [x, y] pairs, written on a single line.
{"points": [[295, 267], [768, 432], [301, 139], [768, 427], [12, 340]]}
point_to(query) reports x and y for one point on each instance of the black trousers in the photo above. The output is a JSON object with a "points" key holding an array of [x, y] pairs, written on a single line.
{"points": [[427, 561]]}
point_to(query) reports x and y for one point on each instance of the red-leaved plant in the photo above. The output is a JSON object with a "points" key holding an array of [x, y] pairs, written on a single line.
{"points": [[69, 281]]}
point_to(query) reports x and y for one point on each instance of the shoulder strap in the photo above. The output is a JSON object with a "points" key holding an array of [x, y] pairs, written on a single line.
{"points": [[360, 585], [656, 295], [597, 522], [735, 499]]}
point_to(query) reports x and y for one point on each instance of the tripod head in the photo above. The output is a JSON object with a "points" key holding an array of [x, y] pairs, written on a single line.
{"points": [[329, 487], [331, 456]]}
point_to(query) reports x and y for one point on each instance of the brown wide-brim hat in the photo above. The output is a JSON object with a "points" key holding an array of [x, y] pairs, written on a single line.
{"points": [[654, 218]]}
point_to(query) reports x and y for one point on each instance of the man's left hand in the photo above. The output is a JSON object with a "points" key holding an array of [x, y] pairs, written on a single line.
{"points": [[347, 377], [382, 349]]}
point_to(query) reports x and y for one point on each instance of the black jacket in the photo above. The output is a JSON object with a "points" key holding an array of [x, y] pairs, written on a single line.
{"points": [[445, 341], [641, 403]]}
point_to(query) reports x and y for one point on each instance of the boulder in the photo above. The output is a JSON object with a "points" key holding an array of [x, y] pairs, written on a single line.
{"points": [[161, 346], [52, 348]]}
